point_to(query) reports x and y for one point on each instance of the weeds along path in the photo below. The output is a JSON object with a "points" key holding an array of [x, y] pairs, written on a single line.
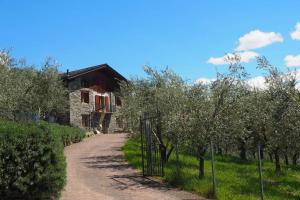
{"points": [[96, 170]]}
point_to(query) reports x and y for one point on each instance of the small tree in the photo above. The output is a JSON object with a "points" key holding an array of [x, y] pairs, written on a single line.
{"points": [[49, 96], [280, 96], [161, 92], [25, 90], [210, 107]]}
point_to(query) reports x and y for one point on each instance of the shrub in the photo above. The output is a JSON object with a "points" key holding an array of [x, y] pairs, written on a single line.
{"points": [[32, 162], [67, 134]]}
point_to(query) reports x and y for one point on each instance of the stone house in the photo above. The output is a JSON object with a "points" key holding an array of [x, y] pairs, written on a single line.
{"points": [[94, 102]]}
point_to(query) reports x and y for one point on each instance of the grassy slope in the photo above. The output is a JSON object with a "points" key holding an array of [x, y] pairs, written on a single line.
{"points": [[235, 180]]}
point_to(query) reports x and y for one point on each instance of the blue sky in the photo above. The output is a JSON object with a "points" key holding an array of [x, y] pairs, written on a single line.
{"points": [[129, 34]]}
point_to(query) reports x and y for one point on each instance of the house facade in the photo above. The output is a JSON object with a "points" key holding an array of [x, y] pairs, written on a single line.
{"points": [[94, 103]]}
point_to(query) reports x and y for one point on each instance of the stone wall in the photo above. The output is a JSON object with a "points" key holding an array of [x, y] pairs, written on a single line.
{"points": [[78, 108]]}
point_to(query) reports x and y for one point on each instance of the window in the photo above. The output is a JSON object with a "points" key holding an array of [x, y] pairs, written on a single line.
{"points": [[84, 83], [85, 97], [85, 120]]}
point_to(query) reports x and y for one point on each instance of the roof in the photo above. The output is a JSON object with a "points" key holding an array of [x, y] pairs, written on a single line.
{"points": [[73, 74]]}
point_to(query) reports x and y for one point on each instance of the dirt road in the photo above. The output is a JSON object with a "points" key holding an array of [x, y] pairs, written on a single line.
{"points": [[96, 170]]}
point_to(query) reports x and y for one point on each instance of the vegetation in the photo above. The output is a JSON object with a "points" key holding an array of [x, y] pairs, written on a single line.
{"points": [[67, 134], [228, 113], [236, 179], [27, 93], [32, 162], [235, 116]]}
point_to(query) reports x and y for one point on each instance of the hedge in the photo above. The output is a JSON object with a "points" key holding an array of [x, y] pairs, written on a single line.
{"points": [[32, 161], [67, 134]]}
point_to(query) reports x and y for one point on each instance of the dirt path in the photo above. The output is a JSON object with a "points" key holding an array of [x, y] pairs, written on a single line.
{"points": [[96, 171]]}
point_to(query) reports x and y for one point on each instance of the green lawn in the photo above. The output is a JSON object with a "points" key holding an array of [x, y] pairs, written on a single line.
{"points": [[235, 180]]}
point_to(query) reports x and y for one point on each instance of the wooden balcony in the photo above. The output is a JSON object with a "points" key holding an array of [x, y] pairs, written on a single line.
{"points": [[106, 109]]}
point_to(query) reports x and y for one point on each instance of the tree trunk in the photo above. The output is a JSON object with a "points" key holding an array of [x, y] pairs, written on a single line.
{"points": [[201, 167], [169, 153], [286, 159], [262, 152], [201, 152], [277, 161], [295, 158], [163, 153], [243, 153], [220, 151], [177, 159], [271, 157]]}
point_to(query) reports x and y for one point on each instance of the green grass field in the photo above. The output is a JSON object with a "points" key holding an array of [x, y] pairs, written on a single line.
{"points": [[236, 180]]}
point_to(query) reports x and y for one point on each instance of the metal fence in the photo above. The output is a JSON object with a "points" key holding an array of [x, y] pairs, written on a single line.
{"points": [[152, 162]]}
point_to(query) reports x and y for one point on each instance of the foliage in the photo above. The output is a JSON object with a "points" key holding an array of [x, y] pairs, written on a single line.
{"points": [[32, 162], [67, 134], [160, 91], [236, 179], [26, 92], [233, 115]]}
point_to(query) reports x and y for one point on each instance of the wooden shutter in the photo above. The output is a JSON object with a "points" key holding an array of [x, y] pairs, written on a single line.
{"points": [[100, 103], [107, 103], [97, 103]]}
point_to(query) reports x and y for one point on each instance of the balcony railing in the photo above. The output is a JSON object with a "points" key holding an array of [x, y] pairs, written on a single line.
{"points": [[106, 108], [105, 103]]}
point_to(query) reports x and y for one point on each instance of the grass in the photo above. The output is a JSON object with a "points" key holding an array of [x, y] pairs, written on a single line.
{"points": [[236, 180]]}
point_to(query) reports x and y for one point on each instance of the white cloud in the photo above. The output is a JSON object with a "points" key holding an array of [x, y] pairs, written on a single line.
{"points": [[257, 82], [297, 75], [296, 34], [246, 57], [297, 79], [292, 61], [205, 81], [257, 39], [217, 60]]}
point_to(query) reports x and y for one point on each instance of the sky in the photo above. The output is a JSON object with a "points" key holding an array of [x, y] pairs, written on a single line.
{"points": [[190, 36]]}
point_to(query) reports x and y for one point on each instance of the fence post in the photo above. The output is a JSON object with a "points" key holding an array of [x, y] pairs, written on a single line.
{"points": [[213, 168], [142, 144], [260, 174], [177, 157], [149, 144]]}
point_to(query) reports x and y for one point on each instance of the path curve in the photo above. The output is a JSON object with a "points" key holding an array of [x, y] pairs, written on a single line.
{"points": [[96, 170]]}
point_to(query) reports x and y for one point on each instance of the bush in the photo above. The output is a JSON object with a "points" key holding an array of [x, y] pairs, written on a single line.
{"points": [[67, 134], [32, 162]]}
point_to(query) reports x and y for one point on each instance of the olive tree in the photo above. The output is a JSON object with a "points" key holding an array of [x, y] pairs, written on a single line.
{"points": [[161, 92], [280, 97], [25, 90]]}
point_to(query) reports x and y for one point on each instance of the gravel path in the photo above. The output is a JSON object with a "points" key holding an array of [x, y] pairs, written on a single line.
{"points": [[96, 170]]}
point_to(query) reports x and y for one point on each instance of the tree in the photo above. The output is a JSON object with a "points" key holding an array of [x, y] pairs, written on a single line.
{"points": [[280, 96], [26, 91], [16, 80], [161, 92], [228, 112], [49, 96]]}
